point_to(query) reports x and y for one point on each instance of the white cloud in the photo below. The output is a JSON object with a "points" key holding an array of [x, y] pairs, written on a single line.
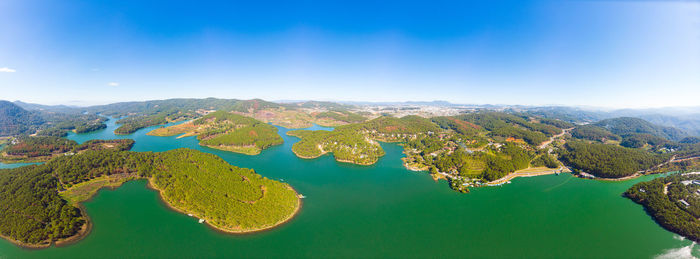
{"points": [[7, 70], [113, 84]]}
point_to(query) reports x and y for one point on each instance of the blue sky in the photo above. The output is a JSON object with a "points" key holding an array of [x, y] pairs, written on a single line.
{"points": [[597, 53]]}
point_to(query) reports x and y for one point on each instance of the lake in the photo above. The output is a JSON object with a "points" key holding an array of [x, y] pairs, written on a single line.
{"points": [[381, 210]]}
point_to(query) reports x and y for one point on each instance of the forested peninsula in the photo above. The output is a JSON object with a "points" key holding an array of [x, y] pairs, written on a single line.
{"points": [[227, 131], [44, 199], [673, 202], [357, 143]]}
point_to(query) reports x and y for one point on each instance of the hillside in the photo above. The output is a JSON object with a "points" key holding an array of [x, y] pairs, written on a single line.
{"points": [[629, 125], [14, 120], [608, 161]]}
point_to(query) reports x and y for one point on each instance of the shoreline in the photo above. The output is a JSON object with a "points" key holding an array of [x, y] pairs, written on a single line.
{"points": [[228, 231], [258, 150], [86, 228], [334, 157], [84, 231], [517, 174], [308, 157], [629, 177]]}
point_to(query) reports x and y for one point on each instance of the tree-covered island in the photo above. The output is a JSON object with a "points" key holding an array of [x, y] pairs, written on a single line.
{"points": [[227, 131]]}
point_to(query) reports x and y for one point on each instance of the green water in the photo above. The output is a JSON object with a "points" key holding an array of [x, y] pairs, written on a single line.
{"points": [[381, 210]]}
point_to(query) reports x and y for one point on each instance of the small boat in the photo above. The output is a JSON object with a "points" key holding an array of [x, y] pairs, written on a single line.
{"points": [[201, 221], [301, 196], [189, 215], [281, 180]]}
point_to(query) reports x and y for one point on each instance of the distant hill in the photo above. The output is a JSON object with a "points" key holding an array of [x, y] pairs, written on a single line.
{"points": [[688, 123], [413, 103], [629, 125], [686, 119], [321, 104], [15, 120], [41, 107]]}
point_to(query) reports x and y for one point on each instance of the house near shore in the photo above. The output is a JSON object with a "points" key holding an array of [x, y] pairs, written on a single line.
{"points": [[586, 175]]}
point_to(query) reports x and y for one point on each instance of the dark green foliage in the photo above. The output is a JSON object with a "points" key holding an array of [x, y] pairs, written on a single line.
{"points": [[391, 125], [556, 123], [494, 120], [78, 122], [32, 210], [347, 146], [61, 129], [666, 209], [426, 145], [639, 140], [608, 161], [15, 120], [236, 199], [490, 165], [252, 105], [352, 142], [90, 164], [230, 129], [592, 132], [27, 146], [690, 140], [41, 148], [508, 159], [531, 137], [509, 125], [344, 116], [629, 125], [460, 126], [89, 128], [52, 132], [685, 149], [545, 160], [233, 198], [113, 144], [132, 124]]}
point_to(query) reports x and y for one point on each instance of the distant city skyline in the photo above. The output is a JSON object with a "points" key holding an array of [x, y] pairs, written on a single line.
{"points": [[615, 54]]}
